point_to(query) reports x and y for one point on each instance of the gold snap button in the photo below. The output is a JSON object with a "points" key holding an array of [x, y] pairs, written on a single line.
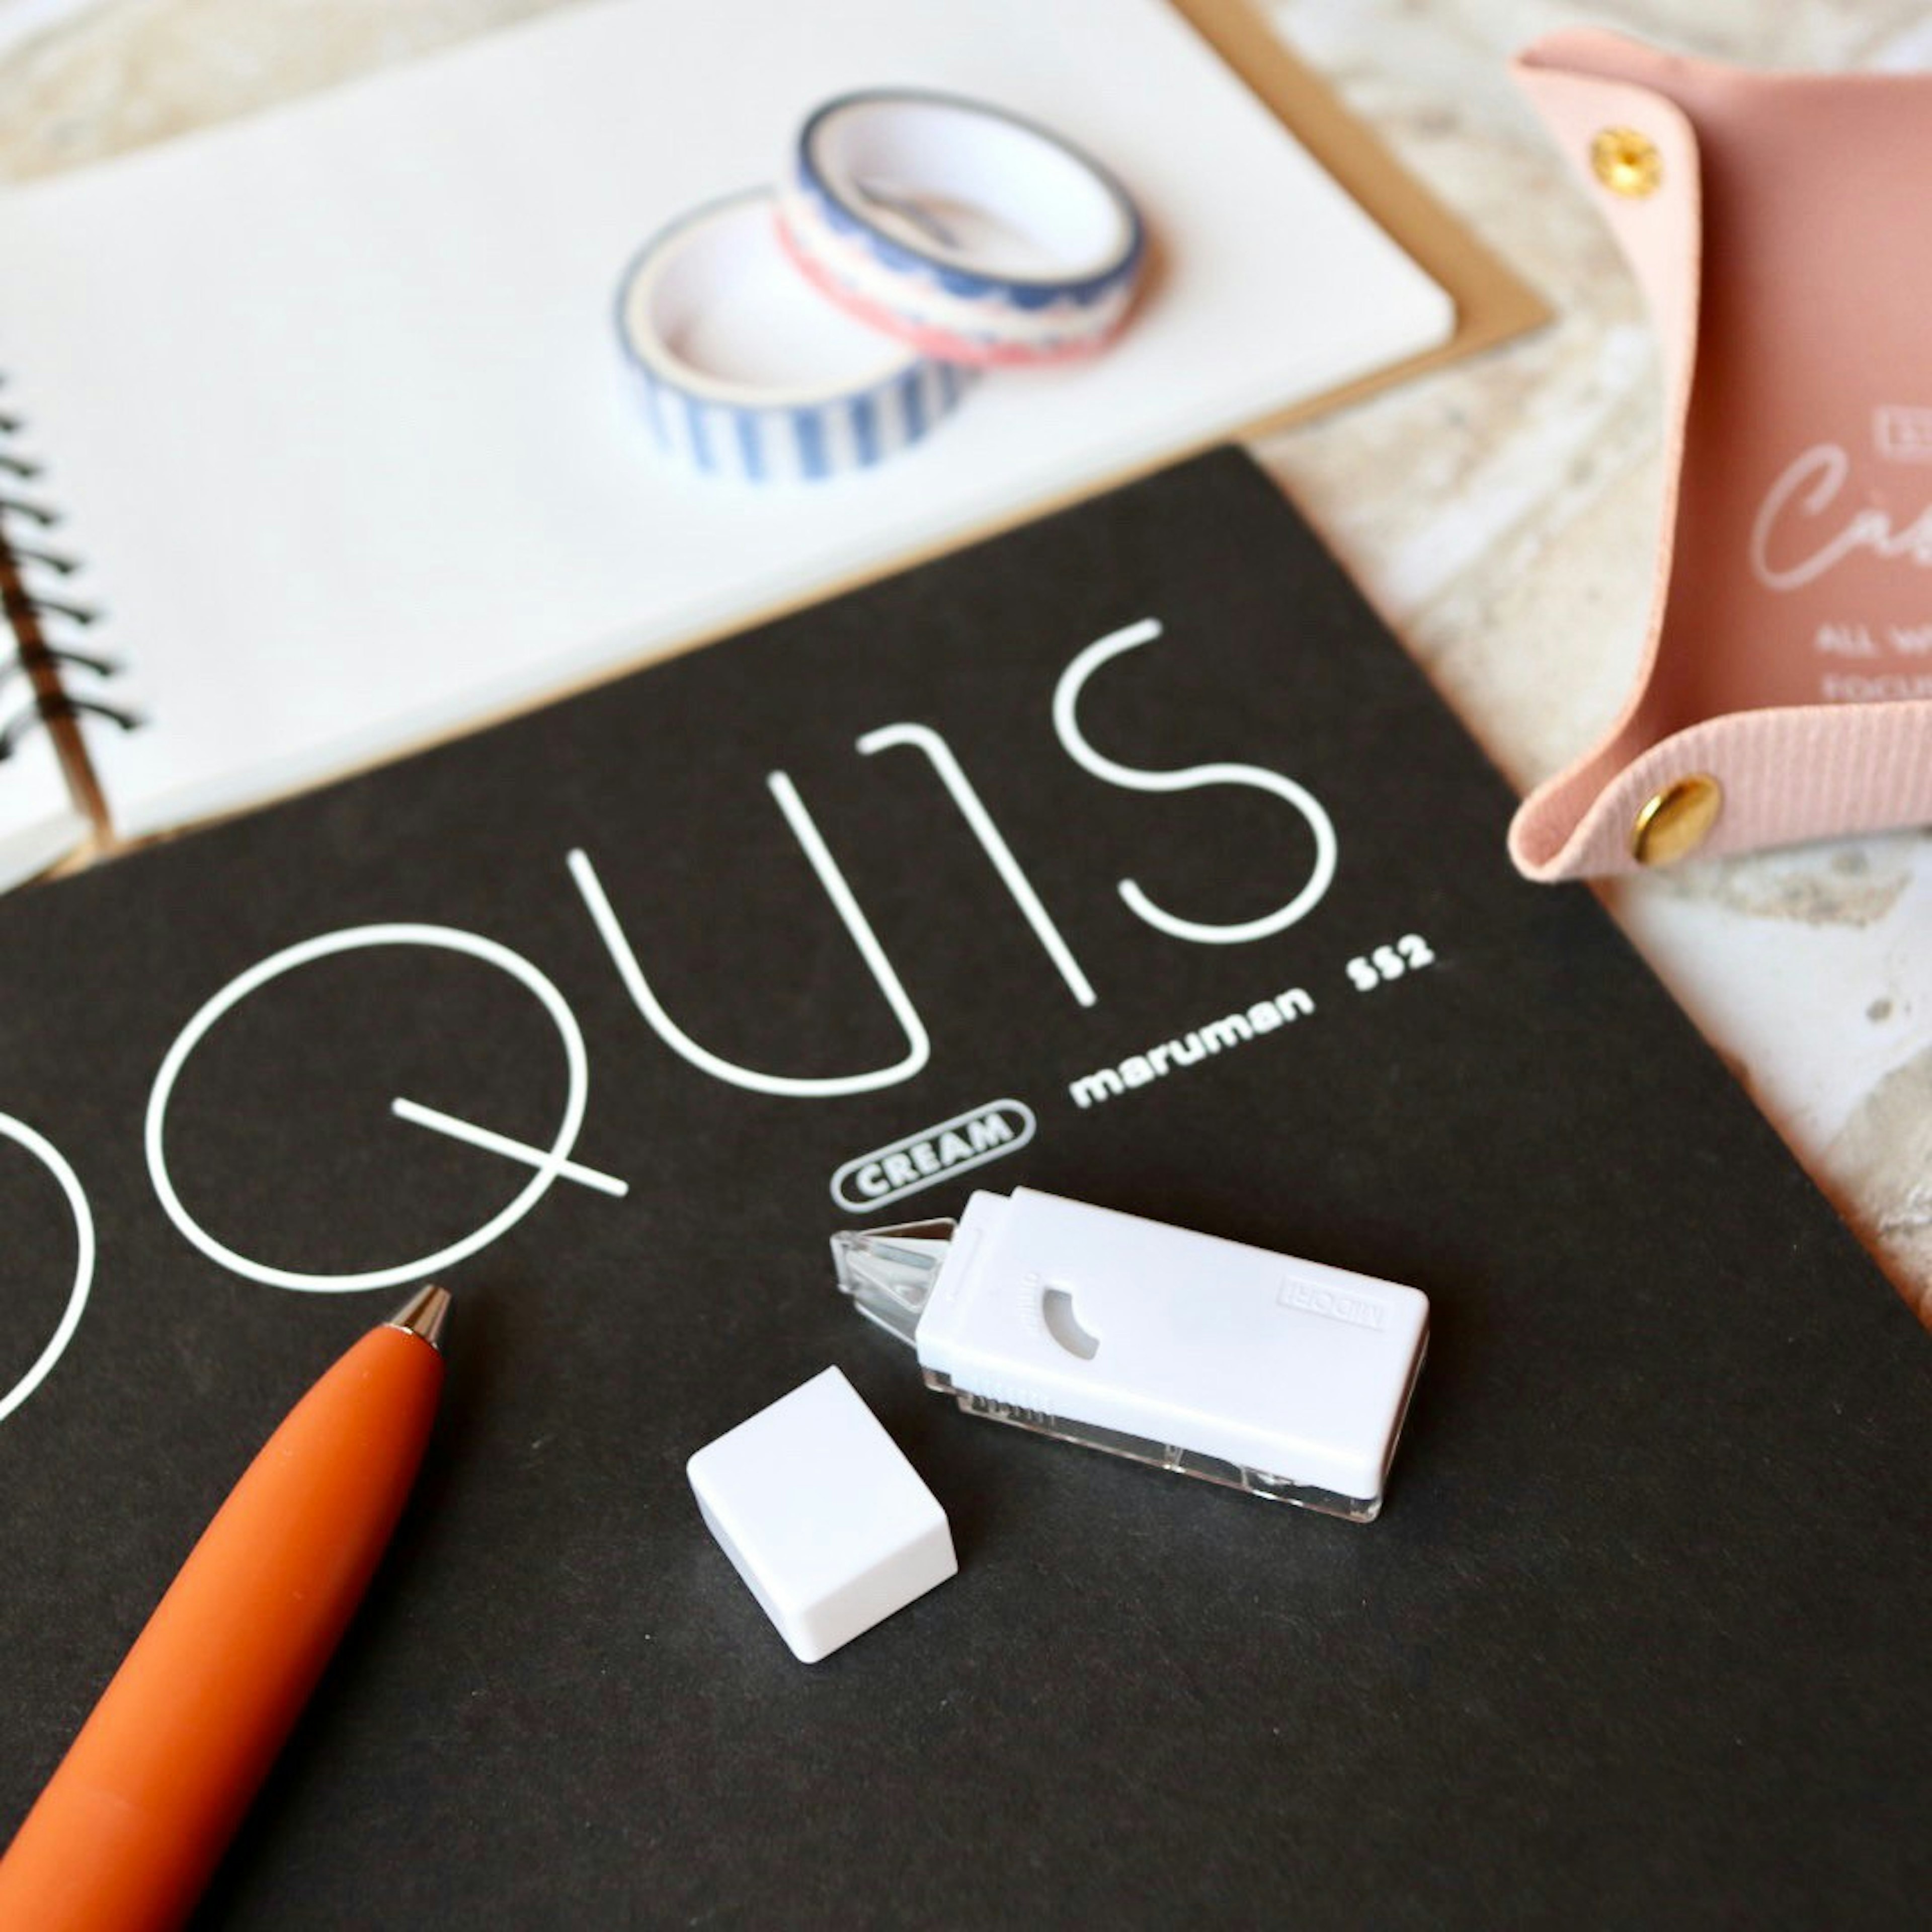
{"points": [[1627, 163], [1677, 820]]}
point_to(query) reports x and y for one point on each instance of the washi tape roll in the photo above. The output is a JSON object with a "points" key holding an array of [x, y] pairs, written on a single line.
{"points": [[748, 371], [969, 233]]}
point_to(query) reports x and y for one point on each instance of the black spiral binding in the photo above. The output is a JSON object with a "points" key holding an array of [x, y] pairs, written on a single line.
{"points": [[49, 626]]}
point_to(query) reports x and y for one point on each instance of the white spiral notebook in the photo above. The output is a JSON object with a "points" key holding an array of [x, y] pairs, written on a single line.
{"points": [[328, 406], [39, 823]]}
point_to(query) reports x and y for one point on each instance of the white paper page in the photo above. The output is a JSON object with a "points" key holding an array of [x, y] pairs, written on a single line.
{"points": [[335, 399], [38, 823]]}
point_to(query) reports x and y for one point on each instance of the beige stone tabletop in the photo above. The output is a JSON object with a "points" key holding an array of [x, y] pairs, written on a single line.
{"points": [[1502, 513]]}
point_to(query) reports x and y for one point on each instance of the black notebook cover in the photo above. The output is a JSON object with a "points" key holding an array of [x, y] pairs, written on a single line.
{"points": [[1640, 1636]]}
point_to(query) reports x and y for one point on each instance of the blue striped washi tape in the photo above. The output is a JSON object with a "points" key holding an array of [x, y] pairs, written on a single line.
{"points": [[748, 372], [970, 234]]}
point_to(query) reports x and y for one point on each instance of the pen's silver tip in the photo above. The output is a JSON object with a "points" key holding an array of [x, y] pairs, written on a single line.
{"points": [[423, 1314]]}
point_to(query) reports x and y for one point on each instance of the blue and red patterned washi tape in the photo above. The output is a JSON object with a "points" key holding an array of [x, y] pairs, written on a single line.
{"points": [[802, 333]]}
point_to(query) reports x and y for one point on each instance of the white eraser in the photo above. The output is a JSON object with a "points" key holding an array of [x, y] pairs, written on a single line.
{"points": [[822, 1515]]}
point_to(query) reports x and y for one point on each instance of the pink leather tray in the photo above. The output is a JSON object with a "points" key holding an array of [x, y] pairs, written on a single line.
{"points": [[1779, 226]]}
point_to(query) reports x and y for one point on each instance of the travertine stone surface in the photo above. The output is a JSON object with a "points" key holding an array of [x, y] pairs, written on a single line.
{"points": [[1502, 513]]}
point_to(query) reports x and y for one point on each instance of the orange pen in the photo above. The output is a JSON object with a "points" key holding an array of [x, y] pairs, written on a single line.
{"points": [[131, 1826]]}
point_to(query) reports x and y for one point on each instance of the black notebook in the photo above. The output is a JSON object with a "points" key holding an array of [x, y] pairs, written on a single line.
{"points": [[1639, 1635]]}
